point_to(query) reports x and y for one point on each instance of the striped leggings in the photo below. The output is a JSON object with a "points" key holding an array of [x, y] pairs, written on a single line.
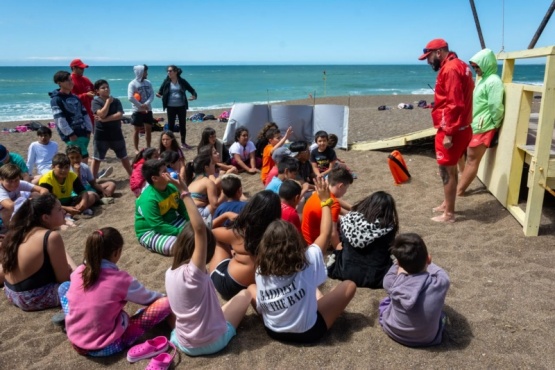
{"points": [[143, 320], [159, 243]]}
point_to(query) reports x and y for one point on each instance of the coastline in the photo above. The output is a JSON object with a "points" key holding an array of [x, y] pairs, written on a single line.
{"points": [[499, 305], [363, 110]]}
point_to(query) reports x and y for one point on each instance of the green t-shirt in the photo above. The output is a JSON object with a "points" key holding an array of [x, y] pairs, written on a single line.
{"points": [[157, 210]]}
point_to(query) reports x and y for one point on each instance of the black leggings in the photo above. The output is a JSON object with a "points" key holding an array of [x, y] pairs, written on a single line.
{"points": [[181, 113]]}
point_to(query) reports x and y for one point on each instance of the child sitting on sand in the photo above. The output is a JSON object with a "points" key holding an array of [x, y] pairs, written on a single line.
{"points": [[94, 300], [208, 137], [159, 212], [287, 170], [82, 170], [137, 182], [412, 313], [366, 234], [169, 142], [202, 327], [290, 195], [33, 255], [339, 181], [232, 267], [275, 140], [287, 278], [173, 164], [13, 188], [233, 191], [242, 152], [302, 153], [322, 157], [261, 140], [40, 153], [203, 190], [67, 187]]}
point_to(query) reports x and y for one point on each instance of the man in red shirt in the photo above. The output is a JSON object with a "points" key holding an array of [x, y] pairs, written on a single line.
{"points": [[452, 116], [82, 86]]}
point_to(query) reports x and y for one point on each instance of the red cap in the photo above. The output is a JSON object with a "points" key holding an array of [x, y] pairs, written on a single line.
{"points": [[435, 44], [78, 63]]}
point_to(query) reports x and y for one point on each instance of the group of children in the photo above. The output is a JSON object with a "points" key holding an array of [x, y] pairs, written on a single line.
{"points": [[267, 251]]}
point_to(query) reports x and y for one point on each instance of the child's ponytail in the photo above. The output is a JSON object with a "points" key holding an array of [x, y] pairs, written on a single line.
{"points": [[101, 244]]}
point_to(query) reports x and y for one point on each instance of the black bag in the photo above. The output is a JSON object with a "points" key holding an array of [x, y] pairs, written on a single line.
{"points": [[34, 125]]}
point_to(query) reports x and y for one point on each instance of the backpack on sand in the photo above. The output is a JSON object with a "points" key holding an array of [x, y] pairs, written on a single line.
{"points": [[398, 167]]}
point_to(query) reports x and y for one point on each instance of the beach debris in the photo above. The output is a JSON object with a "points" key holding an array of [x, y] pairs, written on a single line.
{"points": [[405, 106], [384, 107]]}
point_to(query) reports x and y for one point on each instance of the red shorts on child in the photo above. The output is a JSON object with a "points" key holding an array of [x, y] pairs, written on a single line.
{"points": [[484, 138]]}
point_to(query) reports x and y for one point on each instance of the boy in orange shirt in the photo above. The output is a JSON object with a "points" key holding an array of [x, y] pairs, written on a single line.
{"points": [[275, 140], [339, 180]]}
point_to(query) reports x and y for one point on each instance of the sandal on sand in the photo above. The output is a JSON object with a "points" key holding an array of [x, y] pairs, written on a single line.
{"points": [[107, 200], [148, 349], [163, 361]]}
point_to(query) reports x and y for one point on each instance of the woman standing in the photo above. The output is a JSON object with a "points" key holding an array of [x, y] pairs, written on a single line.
{"points": [[174, 99]]}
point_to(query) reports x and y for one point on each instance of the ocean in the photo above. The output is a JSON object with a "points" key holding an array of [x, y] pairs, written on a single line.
{"points": [[24, 90]]}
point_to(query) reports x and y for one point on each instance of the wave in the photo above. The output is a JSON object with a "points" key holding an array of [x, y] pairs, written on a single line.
{"points": [[422, 92]]}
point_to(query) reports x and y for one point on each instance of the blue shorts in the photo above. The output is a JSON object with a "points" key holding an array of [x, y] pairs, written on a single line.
{"points": [[209, 349]]}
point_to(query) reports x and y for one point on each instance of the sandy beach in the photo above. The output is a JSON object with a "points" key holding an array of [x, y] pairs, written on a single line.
{"points": [[500, 304]]}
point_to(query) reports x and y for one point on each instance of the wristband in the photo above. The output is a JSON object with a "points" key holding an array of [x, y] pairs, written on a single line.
{"points": [[326, 203], [185, 194]]}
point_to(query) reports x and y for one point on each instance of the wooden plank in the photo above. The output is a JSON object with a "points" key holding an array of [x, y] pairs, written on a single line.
{"points": [[395, 141], [501, 167], [540, 162], [528, 53]]}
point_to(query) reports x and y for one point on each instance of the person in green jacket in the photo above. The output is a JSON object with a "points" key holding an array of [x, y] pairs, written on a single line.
{"points": [[487, 114], [160, 213]]}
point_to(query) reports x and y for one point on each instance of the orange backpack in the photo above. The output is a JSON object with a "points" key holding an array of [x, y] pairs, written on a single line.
{"points": [[398, 167]]}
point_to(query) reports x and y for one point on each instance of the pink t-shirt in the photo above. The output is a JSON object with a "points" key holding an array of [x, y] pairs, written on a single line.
{"points": [[290, 214], [193, 300], [273, 173]]}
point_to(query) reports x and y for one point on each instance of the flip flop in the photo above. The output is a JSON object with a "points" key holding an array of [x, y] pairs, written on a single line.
{"points": [[163, 361], [148, 349]]}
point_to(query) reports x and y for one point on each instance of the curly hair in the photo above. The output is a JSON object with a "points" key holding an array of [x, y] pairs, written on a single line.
{"points": [[281, 251]]}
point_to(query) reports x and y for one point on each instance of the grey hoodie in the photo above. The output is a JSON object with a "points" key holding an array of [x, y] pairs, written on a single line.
{"points": [[141, 86], [413, 317]]}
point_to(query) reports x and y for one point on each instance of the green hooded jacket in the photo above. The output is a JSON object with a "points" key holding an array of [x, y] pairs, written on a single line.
{"points": [[487, 108]]}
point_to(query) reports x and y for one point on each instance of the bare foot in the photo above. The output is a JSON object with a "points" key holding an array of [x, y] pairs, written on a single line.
{"points": [[446, 218], [440, 208]]}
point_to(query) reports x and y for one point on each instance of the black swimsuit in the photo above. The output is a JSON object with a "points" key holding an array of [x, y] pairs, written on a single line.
{"points": [[44, 276]]}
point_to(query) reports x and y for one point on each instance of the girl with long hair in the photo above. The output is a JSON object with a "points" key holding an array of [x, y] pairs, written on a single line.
{"points": [[94, 300], [233, 272], [288, 274], [33, 255], [367, 232]]}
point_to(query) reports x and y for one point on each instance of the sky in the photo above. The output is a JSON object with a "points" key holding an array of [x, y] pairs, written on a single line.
{"points": [[243, 32]]}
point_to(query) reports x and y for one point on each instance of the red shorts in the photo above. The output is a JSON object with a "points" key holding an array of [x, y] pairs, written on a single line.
{"points": [[460, 139], [484, 138]]}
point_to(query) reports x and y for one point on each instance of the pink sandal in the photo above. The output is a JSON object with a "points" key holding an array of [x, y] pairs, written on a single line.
{"points": [[148, 349], [162, 361]]}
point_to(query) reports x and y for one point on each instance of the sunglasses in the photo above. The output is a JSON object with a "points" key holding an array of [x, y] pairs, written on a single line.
{"points": [[170, 70], [427, 50]]}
